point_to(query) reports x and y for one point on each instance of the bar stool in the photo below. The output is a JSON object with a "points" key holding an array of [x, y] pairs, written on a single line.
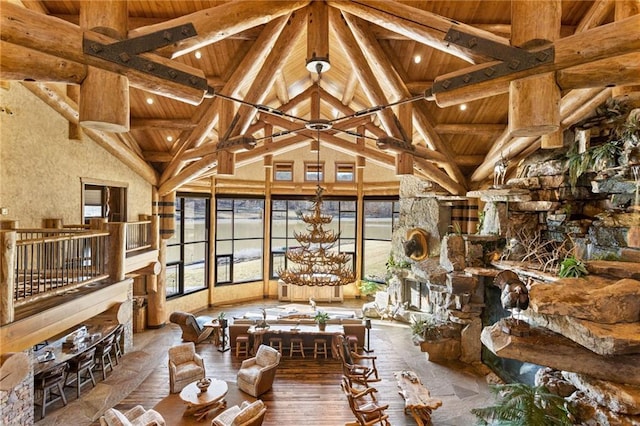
{"points": [[82, 368], [242, 345], [296, 346], [276, 342], [50, 383], [319, 347]]}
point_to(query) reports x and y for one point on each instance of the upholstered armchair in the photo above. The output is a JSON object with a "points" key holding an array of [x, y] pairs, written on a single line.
{"points": [[185, 366], [247, 414], [256, 374], [193, 329], [137, 416]]}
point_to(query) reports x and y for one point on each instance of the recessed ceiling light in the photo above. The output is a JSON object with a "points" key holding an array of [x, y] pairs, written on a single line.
{"points": [[198, 54], [463, 107], [417, 59], [170, 138], [150, 101]]}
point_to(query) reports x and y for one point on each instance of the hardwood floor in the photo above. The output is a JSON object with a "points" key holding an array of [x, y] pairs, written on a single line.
{"points": [[306, 391]]}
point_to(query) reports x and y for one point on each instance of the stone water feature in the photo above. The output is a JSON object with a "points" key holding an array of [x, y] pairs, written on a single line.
{"points": [[584, 331]]}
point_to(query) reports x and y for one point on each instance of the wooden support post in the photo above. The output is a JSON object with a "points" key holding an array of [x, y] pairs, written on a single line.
{"points": [[318, 37], [157, 299], [7, 276], [167, 215], [552, 140], [534, 102], [52, 223], [226, 158], [404, 164], [104, 95], [117, 250]]}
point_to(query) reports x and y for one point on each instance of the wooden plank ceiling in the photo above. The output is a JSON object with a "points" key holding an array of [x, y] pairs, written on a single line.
{"points": [[378, 55]]}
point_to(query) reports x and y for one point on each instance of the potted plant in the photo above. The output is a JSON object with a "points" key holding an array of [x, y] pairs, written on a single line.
{"points": [[441, 340], [321, 318], [368, 288], [523, 404]]}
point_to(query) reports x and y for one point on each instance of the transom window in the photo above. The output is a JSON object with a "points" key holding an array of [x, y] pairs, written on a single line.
{"points": [[314, 172], [283, 171], [345, 172]]}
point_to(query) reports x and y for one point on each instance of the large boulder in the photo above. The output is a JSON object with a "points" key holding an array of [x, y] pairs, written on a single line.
{"points": [[618, 398], [588, 298]]}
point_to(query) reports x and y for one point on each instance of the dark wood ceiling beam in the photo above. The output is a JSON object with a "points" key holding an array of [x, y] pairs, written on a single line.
{"points": [[614, 39], [69, 110], [417, 24], [368, 79], [217, 23]]}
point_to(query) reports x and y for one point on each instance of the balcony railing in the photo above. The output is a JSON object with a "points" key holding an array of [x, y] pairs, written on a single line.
{"points": [[138, 236], [49, 262]]}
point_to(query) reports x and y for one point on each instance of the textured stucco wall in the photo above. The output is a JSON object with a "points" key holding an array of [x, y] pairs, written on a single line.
{"points": [[41, 169]]}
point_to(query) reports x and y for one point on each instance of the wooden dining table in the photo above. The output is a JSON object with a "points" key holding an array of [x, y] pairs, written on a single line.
{"points": [[62, 353], [287, 331]]}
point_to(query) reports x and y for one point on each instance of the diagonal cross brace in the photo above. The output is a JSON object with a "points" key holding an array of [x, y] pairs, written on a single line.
{"points": [[126, 53], [513, 59]]}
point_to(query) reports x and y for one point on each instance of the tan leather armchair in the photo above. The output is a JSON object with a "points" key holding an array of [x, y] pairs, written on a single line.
{"points": [[256, 374], [185, 366], [193, 329]]}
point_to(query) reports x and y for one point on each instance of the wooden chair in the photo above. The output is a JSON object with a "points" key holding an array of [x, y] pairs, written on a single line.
{"points": [[117, 348], [82, 369], [354, 371], [103, 355], [51, 383], [364, 405]]}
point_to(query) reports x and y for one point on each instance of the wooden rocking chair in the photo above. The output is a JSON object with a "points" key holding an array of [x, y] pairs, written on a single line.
{"points": [[364, 405], [355, 372]]}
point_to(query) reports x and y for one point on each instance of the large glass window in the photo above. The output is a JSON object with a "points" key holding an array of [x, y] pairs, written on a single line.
{"points": [[239, 240], [188, 248], [286, 221], [380, 217]]}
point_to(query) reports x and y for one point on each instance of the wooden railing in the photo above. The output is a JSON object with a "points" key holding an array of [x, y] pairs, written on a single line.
{"points": [[40, 263], [50, 262], [139, 236]]}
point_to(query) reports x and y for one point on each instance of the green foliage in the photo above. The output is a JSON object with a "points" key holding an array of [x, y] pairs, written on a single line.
{"points": [[426, 328], [608, 256], [481, 217], [578, 164], [523, 405], [221, 315], [391, 263], [591, 159], [368, 288], [321, 317], [571, 267]]}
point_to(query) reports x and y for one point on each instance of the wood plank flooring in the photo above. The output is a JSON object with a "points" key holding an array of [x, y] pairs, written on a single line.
{"points": [[306, 391]]}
